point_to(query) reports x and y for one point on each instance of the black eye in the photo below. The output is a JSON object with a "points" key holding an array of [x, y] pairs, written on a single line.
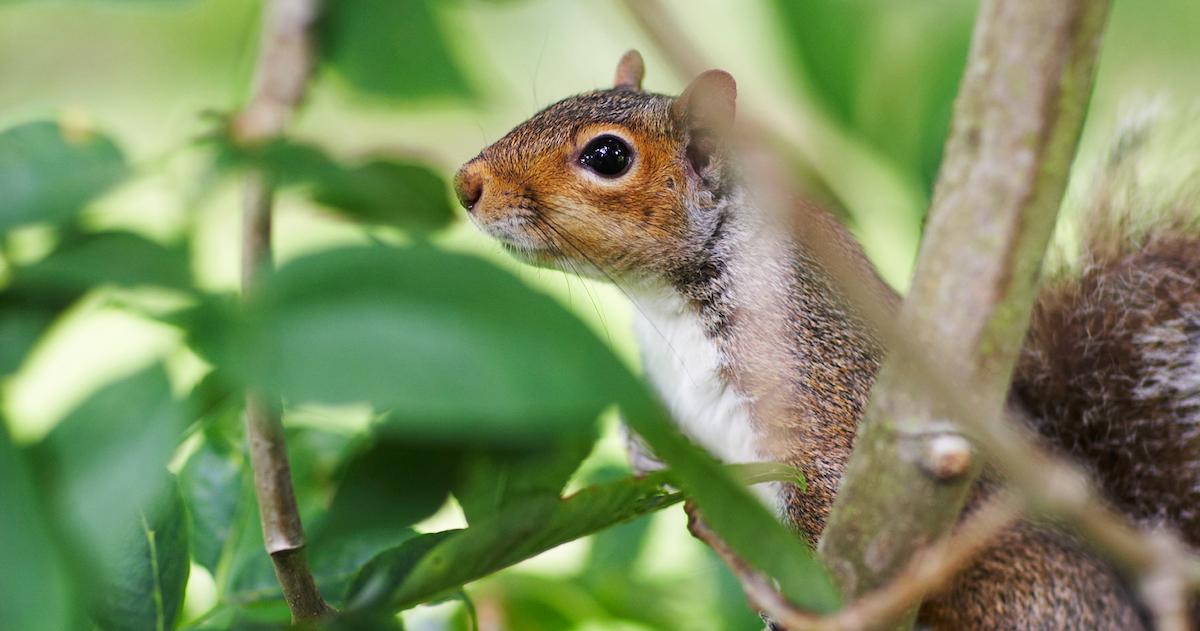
{"points": [[608, 156]]}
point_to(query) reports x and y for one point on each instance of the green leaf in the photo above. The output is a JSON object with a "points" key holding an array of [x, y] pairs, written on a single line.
{"points": [[340, 539], [394, 50], [34, 578], [739, 518], [388, 486], [495, 479], [452, 345], [382, 190], [108, 258], [431, 565], [107, 458], [26, 313], [388, 193], [267, 615], [212, 486], [47, 175], [39, 293], [615, 550], [144, 575]]}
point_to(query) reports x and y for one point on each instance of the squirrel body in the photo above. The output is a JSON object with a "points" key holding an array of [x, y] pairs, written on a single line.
{"points": [[756, 355]]}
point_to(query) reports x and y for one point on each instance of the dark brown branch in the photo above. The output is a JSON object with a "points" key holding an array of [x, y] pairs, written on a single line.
{"points": [[284, 65]]}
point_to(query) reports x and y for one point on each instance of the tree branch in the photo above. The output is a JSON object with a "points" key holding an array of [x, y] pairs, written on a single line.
{"points": [[284, 65], [1164, 566], [1016, 124]]}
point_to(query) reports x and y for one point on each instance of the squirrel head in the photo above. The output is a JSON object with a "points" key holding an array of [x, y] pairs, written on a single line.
{"points": [[613, 183]]}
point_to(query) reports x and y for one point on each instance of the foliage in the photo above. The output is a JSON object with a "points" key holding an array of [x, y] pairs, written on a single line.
{"points": [[483, 389], [483, 392]]}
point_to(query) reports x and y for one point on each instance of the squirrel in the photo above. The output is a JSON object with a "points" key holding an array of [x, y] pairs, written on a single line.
{"points": [[641, 189]]}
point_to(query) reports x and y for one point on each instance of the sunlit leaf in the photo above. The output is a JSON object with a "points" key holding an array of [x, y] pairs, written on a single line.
{"points": [[430, 565], [48, 173], [38, 293], [390, 49], [143, 576]]}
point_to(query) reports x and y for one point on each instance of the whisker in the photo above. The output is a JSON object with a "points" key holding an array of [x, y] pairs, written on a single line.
{"points": [[562, 233]]}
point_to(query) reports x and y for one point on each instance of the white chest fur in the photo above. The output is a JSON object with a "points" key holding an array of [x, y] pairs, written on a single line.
{"points": [[683, 365]]}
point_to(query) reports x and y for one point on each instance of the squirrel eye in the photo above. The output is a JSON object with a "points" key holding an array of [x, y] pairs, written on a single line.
{"points": [[607, 156]]}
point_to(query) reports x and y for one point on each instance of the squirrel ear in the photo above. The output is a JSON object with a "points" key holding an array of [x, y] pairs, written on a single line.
{"points": [[705, 111], [630, 71], [708, 103]]}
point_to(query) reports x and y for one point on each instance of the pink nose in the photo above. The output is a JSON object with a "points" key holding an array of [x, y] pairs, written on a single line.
{"points": [[468, 185]]}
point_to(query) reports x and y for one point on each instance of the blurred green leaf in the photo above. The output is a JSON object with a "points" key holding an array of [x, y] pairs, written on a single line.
{"points": [[107, 458], [25, 315], [859, 55], [497, 478], [144, 575], [381, 190], [431, 565], [394, 50], [34, 578], [212, 485], [388, 193], [452, 345], [38, 293], [47, 173], [735, 515], [124, 259]]}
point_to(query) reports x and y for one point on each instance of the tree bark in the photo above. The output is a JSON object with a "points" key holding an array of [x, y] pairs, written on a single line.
{"points": [[1016, 125]]}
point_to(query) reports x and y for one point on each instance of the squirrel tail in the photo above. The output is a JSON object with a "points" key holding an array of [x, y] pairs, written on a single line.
{"points": [[1110, 369]]}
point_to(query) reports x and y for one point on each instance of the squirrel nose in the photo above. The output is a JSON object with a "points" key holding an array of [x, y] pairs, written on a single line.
{"points": [[468, 185]]}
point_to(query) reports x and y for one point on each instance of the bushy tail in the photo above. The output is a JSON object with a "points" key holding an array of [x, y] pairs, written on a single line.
{"points": [[1111, 366]]}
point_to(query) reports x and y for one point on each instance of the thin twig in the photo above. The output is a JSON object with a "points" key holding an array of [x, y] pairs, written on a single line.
{"points": [[1051, 486], [284, 65]]}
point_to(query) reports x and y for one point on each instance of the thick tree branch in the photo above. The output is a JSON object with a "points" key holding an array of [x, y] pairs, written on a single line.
{"points": [[1016, 123], [284, 65], [1166, 569]]}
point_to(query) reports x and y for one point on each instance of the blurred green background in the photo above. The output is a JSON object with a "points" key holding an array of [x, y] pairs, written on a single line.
{"points": [[866, 84]]}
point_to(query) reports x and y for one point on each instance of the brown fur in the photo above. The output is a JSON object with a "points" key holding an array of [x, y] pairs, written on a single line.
{"points": [[1104, 374]]}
